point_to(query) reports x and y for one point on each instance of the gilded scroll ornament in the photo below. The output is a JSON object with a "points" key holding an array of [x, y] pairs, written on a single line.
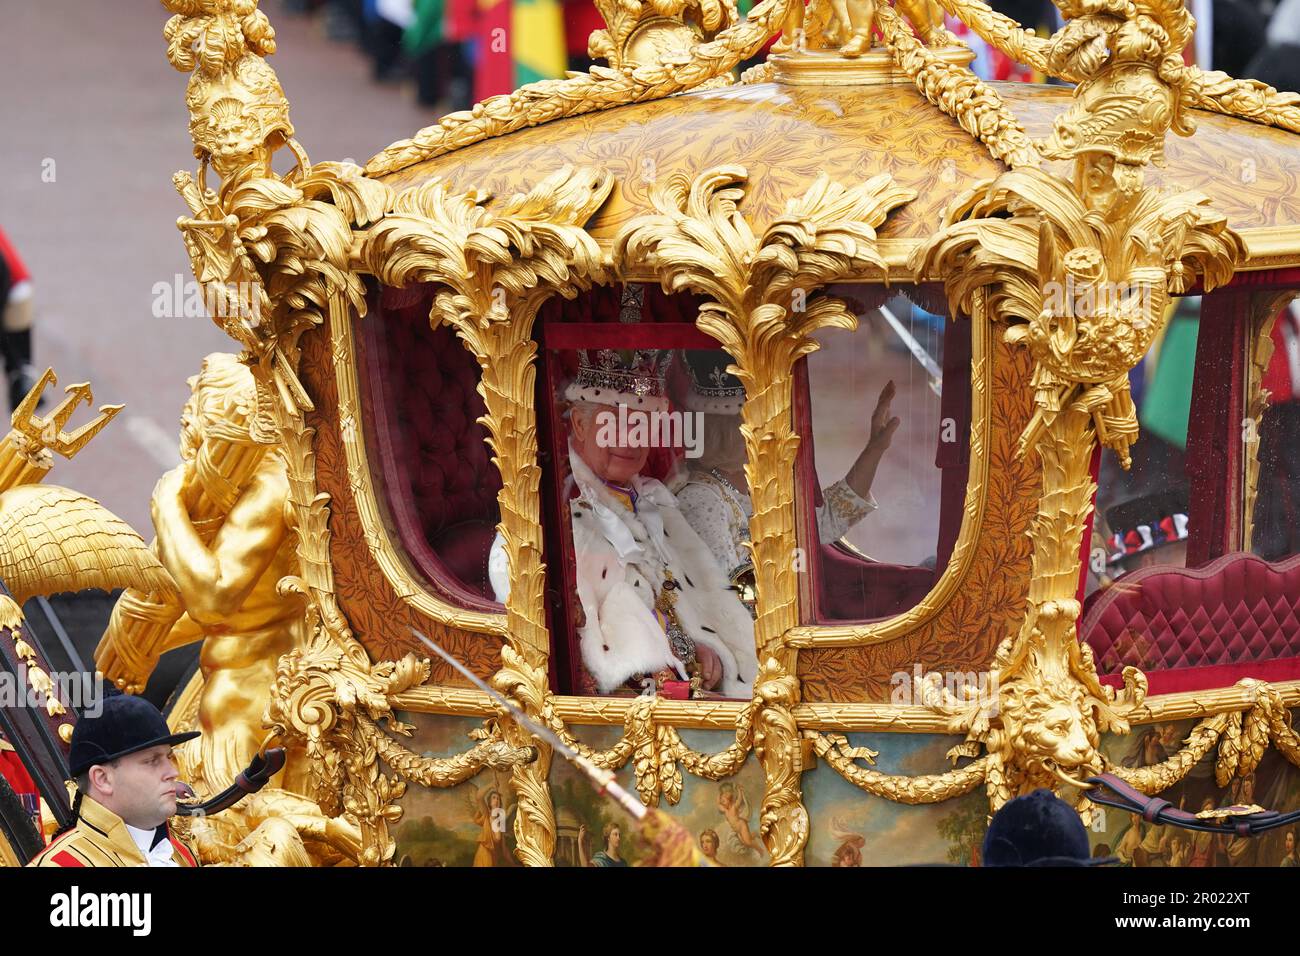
{"points": [[764, 304]]}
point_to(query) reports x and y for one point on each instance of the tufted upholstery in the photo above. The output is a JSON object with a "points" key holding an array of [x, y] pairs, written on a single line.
{"points": [[439, 452], [1238, 608]]}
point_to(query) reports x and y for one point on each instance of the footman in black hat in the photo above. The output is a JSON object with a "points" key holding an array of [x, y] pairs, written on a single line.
{"points": [[126, 791]]}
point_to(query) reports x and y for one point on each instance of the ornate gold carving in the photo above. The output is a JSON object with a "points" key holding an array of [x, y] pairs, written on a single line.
{"points": [[959, 93], [704, 715], [640, 34], [11, 617], [225, 590], [1073, 53], [756, 286], [1107, 255], [1242, 738], [848, 23], [1089, 238], [1245, 99], [496, 267], [1052, 707], [27, 451], [653, 741], [632, 80], [491, 752], [53, 539], [268, 249], [933, 788], [782, 820], [1165, 774], [324, 699], [221, 458], [1082, 270]]}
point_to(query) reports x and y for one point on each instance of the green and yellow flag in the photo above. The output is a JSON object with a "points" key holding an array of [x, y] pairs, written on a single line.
{"points": [[537, 40]]}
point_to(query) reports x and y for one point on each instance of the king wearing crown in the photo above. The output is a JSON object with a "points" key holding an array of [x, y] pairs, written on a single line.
{"points": [[656, 608]]}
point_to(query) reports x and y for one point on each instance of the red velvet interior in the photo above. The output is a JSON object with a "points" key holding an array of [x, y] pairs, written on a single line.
{"points": [[1237, 610], [1214, 429], [439, 482], [854, 589]]}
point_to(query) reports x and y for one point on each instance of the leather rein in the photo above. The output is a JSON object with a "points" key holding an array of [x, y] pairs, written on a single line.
{"points": [[1244, 821], [253, 778]]}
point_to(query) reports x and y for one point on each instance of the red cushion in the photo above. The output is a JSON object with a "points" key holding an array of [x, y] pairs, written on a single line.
{"points": [[1237, 609], [440, 483], [854, 589]]}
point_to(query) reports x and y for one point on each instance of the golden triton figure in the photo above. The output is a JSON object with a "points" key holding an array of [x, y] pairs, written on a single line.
{"points": [[222, 522]]}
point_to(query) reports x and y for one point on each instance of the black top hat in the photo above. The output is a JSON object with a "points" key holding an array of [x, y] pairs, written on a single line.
{"points": [[125, 725], [1038, 829]]}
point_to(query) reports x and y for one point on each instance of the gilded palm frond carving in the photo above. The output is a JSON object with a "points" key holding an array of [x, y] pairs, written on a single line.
{"points": [[763, 305], [53, 539]]}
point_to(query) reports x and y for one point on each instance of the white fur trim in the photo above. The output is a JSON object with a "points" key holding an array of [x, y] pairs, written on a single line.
{"points": [[709, 611], [608, 396], [499, 569]]}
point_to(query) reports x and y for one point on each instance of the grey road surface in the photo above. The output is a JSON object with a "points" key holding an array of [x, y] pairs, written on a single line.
{"points": [[92, 127]]}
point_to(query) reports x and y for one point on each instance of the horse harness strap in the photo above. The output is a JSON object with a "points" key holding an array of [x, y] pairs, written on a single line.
{"points": [[1245, 821]]}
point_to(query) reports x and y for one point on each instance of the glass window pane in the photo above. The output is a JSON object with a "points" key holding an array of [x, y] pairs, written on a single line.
{"points": [[884, 466], [647, 503]]}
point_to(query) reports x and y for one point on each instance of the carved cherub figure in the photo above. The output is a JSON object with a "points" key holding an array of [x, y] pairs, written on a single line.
{"points": [[852, 21]]}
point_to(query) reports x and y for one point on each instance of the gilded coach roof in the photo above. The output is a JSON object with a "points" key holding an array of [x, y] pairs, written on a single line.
{"points": [[786, 135]]}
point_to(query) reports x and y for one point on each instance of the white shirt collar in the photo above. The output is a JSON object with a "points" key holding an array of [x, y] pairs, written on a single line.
{"points": [[160, 855]]}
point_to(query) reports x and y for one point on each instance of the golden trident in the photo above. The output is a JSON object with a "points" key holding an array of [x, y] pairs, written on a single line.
{"points": [[26, 452]]}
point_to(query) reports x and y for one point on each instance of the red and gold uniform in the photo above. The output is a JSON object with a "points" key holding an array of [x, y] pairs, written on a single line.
{"points": [[100, 838]]}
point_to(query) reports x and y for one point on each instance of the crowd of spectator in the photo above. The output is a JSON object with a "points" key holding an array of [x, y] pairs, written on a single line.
{"points": [[437, 46]]}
